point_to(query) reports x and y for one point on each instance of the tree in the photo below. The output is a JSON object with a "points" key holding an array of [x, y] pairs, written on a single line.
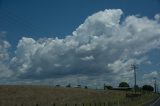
{"points": [[79, 86], [57, 85], [147, 88], [69, 85], [86, 87], [123, 84], [107, 87]]}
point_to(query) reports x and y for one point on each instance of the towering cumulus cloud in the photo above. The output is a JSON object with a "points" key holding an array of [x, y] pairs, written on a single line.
{"points": [[101, 48]]}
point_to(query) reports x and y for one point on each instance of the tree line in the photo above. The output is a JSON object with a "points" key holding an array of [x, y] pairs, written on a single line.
{"points": [[125, 85]]}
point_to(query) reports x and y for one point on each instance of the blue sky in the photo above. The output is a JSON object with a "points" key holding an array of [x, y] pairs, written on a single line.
{"points": [[28, 24], [40, 18]]}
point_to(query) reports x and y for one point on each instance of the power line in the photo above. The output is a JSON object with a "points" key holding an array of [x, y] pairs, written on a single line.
{"points": [[155, 84], [134, 67]]}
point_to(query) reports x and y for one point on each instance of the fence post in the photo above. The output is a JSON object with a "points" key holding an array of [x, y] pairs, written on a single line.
{"points": [[104, 104], [109, 103], [118, 103]]}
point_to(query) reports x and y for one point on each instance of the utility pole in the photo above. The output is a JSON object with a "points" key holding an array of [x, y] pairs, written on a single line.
{"points": [[155, 85], [134, 67]]}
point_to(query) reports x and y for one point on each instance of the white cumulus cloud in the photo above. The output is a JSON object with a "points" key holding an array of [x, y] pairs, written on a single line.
{"points": [[153, 74], [102, 46], [4, 57]]}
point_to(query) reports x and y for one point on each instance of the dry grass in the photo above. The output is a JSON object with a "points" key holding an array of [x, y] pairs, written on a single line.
{"points": [[46, 96]]}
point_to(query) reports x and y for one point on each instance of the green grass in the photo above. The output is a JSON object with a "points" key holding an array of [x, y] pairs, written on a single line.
{"points": [[46, 96]]}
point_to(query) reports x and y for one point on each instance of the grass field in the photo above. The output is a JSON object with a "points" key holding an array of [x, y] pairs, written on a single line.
{"points": [[47, 96]]}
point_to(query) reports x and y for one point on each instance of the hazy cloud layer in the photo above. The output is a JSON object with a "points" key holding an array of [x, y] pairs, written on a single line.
{"points": [[100, 49]]}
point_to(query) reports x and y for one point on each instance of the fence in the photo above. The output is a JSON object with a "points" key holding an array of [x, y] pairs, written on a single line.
{"points": [[106, 103], [82, 104]]}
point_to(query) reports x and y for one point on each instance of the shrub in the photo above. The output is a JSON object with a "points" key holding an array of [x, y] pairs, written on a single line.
{"points": [[108, 87], [147, 88], [68, 86], [57, 85], [86, 87]]}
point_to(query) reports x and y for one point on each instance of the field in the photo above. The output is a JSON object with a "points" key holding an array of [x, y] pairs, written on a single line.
{"points": [[48, 96]]}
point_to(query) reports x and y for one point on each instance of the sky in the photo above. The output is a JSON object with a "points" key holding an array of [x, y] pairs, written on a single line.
{"points": [[88, 42]]}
